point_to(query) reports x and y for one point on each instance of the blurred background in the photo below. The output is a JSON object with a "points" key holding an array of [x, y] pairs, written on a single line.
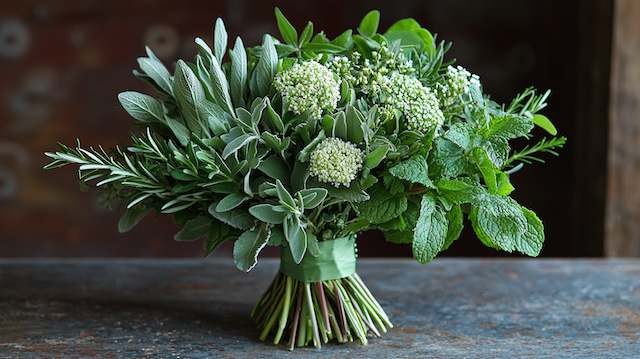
{"points": [[62, 64]]}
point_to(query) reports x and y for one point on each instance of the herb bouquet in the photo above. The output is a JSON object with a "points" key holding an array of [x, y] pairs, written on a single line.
{"points": [[304, 142]]}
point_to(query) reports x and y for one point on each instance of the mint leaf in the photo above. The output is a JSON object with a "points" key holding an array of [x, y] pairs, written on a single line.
{"points": [[454, 219], [383, 206], [461, 190], [413, 170], [498, 222], [460, 134], [430, 232], [248, 246], [509, 126], [530, 242], [486, 167], [498, 151], [448, 159]]}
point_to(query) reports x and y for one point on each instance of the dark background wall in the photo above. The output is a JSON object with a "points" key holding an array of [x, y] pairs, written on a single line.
{"points": [[62, 64]]}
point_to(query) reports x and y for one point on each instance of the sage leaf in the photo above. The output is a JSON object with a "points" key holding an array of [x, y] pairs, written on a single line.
{"points": [[230, 201], [238, 75], [248, 246], [266, 213], [219, 40], [142, 107], [189, 95], [157, 72]]}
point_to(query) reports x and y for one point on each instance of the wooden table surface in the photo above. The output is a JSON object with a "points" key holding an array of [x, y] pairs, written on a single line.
{"points": [[452, 308]]}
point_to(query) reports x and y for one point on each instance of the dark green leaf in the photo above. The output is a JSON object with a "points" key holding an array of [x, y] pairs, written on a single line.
{"points": [[230, 201], [131, 217], [430, 232], [194, 229]]}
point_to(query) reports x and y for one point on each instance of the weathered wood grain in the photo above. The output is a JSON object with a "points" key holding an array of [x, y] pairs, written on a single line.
{"points": [[623, 203], [452, 308]]}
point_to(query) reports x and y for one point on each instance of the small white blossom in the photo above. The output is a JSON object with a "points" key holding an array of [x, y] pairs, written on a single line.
{"points": [[417, 103], [457, 82], [335, 161], [343, 68], [308, 86]]}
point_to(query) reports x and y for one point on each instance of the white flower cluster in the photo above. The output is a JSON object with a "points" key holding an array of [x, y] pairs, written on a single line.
{"points": [[457, 82], [335, 161], [341, 66], [308, 86], [368, 75], [417, 103]]}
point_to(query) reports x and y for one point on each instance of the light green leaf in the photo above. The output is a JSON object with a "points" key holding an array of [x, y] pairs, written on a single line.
{"points": [[543, 122], [373, 158], [430, 232], [369, 24], [410, 33], [307, 32], [504, 185], [288, 32], [142, 107], [486, 167], [248, 246]]}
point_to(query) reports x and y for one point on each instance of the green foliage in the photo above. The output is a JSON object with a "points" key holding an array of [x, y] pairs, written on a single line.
{"points": [[224, 153]]}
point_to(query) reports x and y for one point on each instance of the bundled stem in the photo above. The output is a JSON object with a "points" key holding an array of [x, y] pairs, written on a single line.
{"points": [[341, 309]]}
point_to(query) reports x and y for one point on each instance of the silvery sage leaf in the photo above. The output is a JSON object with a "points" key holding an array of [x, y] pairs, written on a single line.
{"points": [[248, 246], [142, 107], [220, 38]]}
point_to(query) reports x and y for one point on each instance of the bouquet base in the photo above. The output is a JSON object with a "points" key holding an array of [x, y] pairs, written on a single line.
{"points": [[299, 314]]}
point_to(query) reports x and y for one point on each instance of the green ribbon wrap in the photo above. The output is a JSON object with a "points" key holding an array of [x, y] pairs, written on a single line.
{"points": [[337, 259]]}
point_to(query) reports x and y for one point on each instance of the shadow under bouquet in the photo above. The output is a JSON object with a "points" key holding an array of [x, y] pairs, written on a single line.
{"points": [[303, 142]]}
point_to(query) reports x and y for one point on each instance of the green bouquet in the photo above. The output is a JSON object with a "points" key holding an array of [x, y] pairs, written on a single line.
{"points": [[305, 141]]}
